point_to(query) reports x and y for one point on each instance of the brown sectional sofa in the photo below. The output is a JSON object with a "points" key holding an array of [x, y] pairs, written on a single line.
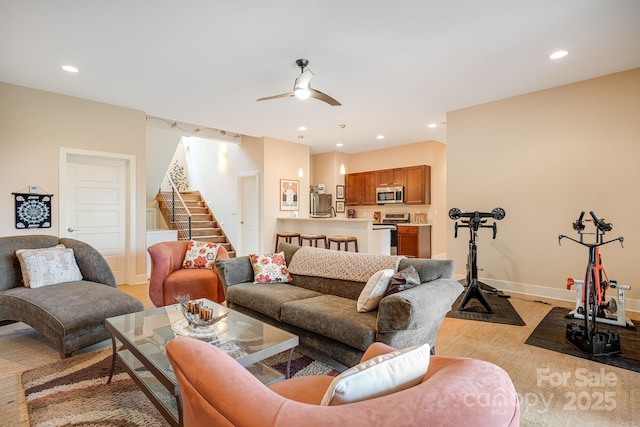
{"points": [[71, 315], [322, 311]]}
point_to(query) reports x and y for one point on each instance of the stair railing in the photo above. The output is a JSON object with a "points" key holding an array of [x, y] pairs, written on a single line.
{"points": [[180, 214]]}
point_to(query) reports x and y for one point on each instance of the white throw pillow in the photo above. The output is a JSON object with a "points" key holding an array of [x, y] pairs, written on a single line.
{"points": [[49, 266], [270, 268], [374, 290], [200, 255], [379, 376]]}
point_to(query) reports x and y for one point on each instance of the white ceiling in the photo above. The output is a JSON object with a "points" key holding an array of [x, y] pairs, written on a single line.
{"points": [[394, 66]]}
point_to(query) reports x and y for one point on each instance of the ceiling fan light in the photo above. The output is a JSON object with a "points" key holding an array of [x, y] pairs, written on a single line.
{"points": [[301, 93]]}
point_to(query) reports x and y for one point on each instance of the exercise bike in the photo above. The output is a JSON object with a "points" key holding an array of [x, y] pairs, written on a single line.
{"points": [[475, 221], [591, 303]]}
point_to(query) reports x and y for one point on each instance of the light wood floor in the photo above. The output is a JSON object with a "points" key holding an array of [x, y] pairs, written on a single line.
{"points": [[591, 394]]}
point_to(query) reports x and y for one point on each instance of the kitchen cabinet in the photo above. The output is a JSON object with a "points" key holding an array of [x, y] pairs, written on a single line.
{"points": [[414, 241], [390, 177], [360, 189], [368, 188], [417, 186], [352, 192]]}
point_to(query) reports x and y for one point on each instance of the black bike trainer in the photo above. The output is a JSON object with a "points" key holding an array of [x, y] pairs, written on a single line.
{"points": [[602, 343]]}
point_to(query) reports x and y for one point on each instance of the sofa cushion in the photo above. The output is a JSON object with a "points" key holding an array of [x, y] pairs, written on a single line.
{"points": [[270, 268], [200, 255], [374, 290], [48, 266], [267, 299], [333, 317], [70, 314], [379, 376]]}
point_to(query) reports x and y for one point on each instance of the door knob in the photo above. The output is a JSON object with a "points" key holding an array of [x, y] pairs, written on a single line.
{"points": [[71, 230]]}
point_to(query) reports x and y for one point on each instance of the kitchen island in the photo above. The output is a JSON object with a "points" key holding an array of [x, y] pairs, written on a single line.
{"points": [[370, 241]]}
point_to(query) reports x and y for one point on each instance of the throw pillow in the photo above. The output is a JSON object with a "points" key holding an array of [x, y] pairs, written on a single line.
{"points": [[373, 291], [403, 280], [379, 376], [200, 255], [48, 266], [270, 268]]}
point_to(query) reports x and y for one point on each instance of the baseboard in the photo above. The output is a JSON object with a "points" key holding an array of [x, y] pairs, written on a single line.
{"points": [[543, 291]]}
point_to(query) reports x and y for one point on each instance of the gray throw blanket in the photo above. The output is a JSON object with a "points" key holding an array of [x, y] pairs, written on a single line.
{"points": [[354, 266]]}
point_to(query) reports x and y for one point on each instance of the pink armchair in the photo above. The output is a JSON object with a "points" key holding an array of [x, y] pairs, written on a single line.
{"points": [[169, 279], [217, 391]]}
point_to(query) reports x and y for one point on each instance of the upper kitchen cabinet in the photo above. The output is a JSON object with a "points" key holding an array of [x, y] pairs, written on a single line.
{"points": [[390, 177], [352, 191], [360, 189], [417, 185], [368, 188]]}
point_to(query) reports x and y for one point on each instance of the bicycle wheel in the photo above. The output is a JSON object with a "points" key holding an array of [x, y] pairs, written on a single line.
{"points": [[590, 301]]}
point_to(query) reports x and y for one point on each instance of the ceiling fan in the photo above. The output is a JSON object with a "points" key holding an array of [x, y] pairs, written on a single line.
{"points": [[302, 88]]}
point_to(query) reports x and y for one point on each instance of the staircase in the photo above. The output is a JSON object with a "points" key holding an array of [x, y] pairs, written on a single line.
{"points": [[204, 226]]}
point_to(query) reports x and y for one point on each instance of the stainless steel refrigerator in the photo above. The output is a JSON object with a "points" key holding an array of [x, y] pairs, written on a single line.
{"points": [[320, 204]]}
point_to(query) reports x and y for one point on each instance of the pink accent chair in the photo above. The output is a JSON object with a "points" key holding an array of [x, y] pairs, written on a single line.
{"points": [[217, 391], [169, 279]]}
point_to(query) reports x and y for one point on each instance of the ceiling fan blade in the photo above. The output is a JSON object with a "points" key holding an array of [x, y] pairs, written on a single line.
{"points": [[284, 95], [323, 97]]}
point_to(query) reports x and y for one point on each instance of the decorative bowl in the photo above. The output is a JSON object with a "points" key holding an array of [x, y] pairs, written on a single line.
{"points": [[197, 313]]}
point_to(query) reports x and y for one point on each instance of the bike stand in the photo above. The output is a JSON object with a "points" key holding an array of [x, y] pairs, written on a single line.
{"points": [[474, 291], [616, 318], [602, 343]]}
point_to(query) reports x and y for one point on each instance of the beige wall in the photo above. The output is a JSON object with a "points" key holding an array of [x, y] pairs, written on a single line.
{"points": [[35, 124], [282, 160], [430, 153], [544, 157]]}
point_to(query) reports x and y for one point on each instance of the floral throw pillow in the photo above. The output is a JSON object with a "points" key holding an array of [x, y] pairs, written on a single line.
{"points": [[200, 255], [270, 268]]}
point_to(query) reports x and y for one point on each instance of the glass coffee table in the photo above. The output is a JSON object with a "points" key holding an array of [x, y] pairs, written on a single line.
{"points": [[144, 336]]}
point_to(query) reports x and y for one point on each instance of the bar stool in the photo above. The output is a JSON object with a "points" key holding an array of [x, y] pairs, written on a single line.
{"points": [[343, 239], [313, 239], [287, 236]]}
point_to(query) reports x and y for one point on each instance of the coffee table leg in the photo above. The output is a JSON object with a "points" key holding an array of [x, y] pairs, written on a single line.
{"points": [[289, 363], [113, 359]]}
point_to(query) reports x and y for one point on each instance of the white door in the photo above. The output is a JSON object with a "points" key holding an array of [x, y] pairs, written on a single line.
{"points": [[95, 206], [249, 227]]}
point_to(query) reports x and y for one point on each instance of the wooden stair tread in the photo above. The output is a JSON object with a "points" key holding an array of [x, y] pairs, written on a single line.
{"points": [[204, 226]]}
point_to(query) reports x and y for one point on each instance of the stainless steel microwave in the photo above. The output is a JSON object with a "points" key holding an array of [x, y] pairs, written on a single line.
{"points": [[390, 195]]}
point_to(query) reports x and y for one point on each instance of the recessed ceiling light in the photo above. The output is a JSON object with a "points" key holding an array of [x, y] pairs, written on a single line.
{"points": [[70, 68], [432, 125], [302, 128], [339, 144], [380, 137], [558, 54]]}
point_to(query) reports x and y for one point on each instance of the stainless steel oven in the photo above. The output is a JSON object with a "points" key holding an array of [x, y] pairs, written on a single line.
{"points": [[390, 195], [391, 220]]}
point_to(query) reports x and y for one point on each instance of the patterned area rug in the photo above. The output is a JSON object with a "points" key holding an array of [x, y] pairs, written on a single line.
{"points": [[75, 392]]}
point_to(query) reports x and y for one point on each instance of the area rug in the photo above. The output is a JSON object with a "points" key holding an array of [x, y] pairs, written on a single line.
{"points": [[75, 392], [550, 335], [503, 311]]}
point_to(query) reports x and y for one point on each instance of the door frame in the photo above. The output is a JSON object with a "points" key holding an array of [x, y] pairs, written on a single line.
{"points": [[256, 179], [130, 200]]}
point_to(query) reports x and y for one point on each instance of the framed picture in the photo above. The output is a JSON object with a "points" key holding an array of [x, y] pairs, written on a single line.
{"points": [[339, 192], [289, 195], [340, 206]]}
